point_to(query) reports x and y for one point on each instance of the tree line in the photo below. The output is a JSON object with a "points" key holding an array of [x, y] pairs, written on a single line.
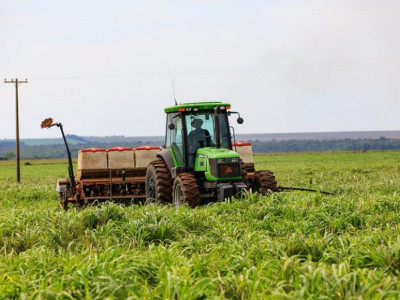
{"points": [[325, 145], [7, 151]]}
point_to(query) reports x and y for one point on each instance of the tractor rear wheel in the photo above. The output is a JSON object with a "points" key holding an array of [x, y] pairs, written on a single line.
{"points": [[158, 182], [264, 181], [186, 190]]}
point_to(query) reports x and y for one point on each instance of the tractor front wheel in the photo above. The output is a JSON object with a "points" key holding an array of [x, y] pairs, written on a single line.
{"points": [[264, 181], [186, 190], [158, 182]]}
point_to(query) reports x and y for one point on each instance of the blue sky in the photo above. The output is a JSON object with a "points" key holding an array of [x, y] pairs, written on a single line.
{"points": [[103, 67]]}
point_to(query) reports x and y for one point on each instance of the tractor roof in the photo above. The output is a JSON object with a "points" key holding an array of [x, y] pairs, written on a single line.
{"points": [[196, 106]]}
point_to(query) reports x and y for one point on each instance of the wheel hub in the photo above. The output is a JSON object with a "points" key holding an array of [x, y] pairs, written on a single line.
{"points": [[152, 188], [178, 195]]}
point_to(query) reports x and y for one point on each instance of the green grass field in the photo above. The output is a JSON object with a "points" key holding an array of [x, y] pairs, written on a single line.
{"points": [[291, 245]]}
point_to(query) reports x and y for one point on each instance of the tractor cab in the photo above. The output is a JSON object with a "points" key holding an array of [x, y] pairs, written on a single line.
{"points": [[195, 126]]}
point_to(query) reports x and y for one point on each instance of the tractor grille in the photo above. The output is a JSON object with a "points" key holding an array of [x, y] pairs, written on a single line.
{"points": [[225, 167]]}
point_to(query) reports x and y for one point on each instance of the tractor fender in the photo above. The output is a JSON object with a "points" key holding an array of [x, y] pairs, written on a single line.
{"points": [[166, 156]]}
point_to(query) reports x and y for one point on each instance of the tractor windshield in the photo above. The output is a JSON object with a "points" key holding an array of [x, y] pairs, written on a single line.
{"points": [[202, 132]]}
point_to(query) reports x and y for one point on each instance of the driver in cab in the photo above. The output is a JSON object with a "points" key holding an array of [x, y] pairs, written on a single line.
{"points": [[198, 137]]}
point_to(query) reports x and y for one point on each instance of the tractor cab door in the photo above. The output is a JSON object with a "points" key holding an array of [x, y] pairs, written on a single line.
{"points": [[175, 137]]}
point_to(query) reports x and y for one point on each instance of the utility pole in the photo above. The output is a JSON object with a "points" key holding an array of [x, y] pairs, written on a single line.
{"points": [[16, 82]]}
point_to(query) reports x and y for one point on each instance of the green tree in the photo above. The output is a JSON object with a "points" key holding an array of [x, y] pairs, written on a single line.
{"points": [[10, 155]]}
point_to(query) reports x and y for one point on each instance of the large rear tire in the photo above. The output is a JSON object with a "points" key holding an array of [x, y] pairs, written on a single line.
{"points": [[186, 190], [158, 182], [264, 181]]}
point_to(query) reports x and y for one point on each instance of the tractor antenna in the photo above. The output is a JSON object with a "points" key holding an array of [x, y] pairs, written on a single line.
{"points": [[173, 88], [172, 78]]}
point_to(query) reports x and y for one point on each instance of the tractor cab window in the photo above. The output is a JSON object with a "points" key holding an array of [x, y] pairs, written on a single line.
{"points": [[201, 132], [174, 136], [225, 132]]}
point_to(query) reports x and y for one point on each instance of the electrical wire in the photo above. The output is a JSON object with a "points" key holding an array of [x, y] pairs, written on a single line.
{"points": [[294, 66]]}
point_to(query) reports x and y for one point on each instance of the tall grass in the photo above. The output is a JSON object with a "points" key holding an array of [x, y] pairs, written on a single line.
{"points": [[288, 245]]}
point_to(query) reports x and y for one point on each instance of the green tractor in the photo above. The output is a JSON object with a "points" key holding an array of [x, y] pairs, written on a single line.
{"points": [[198, 163]]}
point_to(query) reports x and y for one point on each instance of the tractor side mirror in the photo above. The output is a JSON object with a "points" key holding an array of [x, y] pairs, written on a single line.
{"points": [[171, 126], [240, 120]]}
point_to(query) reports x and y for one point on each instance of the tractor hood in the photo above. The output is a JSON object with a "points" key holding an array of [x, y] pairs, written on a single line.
{"points": [[218, 164], [212, 152]]}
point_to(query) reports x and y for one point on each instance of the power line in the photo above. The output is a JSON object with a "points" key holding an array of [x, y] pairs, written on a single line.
{"points": [[16, 82], [235, 69]]}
